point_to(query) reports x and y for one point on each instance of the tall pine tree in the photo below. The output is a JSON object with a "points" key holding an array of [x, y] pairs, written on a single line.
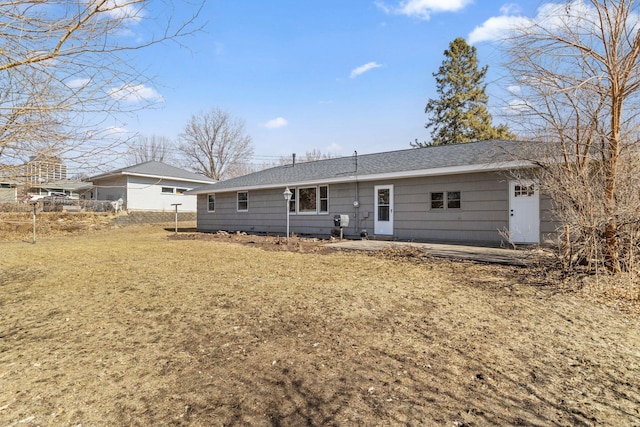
{"points": [[461, 114]]}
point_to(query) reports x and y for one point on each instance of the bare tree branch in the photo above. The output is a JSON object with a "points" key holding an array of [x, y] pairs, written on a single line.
{"points": [[579, 75], [152, 148], [68, 73], [215, 144]]}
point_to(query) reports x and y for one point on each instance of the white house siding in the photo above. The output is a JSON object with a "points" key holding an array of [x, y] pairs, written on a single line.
{"points": [[484, 210], [111, 189], [145, 194], [8, 195]]}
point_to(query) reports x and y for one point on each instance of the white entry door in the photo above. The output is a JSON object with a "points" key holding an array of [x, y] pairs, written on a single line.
{"points": [[383, 221], [524, 212]]}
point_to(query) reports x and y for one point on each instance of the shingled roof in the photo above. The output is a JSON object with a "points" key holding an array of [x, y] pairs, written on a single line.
{"points": [[434, 160], [157, 170]]}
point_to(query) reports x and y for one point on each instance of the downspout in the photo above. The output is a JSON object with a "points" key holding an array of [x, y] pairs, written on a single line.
{"points": [[356, 202]]}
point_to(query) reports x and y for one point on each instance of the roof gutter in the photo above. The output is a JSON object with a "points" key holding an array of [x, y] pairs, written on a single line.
{"points": [[168, 178], [450, 170]]}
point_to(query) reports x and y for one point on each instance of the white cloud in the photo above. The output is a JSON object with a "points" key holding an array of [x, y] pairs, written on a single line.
{"points": [[135, 93], [121, 10], [115, 130], [334, 148], [423, 9], [363, 69], [496, 28], [517, 107], [550, 16], [510, 9], [278, 122], [78, 83]]}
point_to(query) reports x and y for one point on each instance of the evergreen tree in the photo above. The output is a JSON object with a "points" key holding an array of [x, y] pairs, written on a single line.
{"points": [[460, 114]]}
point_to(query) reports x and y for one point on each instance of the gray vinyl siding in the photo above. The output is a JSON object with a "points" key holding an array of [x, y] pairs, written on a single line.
{"points": [[484, 210], [548, 226]]}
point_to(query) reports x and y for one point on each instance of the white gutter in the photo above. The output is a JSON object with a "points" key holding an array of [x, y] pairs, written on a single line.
{"points": [[449, 170], [168, 178]]}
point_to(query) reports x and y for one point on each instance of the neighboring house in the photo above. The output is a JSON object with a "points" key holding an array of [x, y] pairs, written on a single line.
{"points": [[149, 186], [41, 169], [73, 189], [8, 191], [461, 192]]}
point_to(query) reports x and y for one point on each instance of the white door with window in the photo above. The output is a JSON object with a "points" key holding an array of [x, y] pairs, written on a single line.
{"points": [[524, 212], [383, 218]]}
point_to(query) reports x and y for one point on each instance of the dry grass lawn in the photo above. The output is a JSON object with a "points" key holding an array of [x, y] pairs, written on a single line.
{"points": [[132, 327]]}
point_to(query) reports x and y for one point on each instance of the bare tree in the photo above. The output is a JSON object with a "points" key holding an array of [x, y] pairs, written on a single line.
{"points": [[68, 70], [309, 156], [152, 148], [316, 154], [577, 71], [215, 144]]}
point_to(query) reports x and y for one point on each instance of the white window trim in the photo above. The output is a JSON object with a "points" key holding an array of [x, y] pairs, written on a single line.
{"points": [[314, 212], [294, 200], [214, 202], [445, 201], [320, 199], [317, 211], [238, 202]]}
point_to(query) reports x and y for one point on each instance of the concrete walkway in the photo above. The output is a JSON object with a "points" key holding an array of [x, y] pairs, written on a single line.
{"points": [[520, 257]]}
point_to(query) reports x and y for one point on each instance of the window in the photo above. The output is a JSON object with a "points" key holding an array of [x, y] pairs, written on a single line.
{"points": [[445, 200], [181, 190], [453, 200], [307, 200], [292, 202], [524, 190], [167, 190], [437, 200], [324, 199], [243, 200], [211, 202]]}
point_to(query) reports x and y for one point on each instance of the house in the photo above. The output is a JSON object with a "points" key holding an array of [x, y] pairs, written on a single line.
{"points": [[453, 193], [43, 168], [73, 189], [149, 186], [8, 191]]}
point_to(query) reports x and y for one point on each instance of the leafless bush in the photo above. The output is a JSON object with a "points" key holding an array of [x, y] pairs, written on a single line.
{"points": [[577, 74]]}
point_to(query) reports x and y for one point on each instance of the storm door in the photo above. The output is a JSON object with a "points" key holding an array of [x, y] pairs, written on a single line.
{"points": [[383, 221], [524, 212]]}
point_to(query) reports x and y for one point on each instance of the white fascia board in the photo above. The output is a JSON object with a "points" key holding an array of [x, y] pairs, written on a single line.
{"points": [[168, 178], [449, 170]]}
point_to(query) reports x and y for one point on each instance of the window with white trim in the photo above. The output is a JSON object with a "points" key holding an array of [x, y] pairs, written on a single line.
{"points": [[243, 201], [453, 200], [310, 200], [323, 197], [292, 201], [307, 200], [167, 190], [211, 202], [445, 200], [524, 190]]}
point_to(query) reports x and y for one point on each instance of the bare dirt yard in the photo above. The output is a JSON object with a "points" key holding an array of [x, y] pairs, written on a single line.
{"points": [[139, 326]]}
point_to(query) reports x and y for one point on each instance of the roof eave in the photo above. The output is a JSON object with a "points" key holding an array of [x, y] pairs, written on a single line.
{"points": [[144, 175], [449, 170]]}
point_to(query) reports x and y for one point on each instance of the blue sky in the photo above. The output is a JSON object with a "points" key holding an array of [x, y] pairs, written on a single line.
{"points": [[334, 75]]}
